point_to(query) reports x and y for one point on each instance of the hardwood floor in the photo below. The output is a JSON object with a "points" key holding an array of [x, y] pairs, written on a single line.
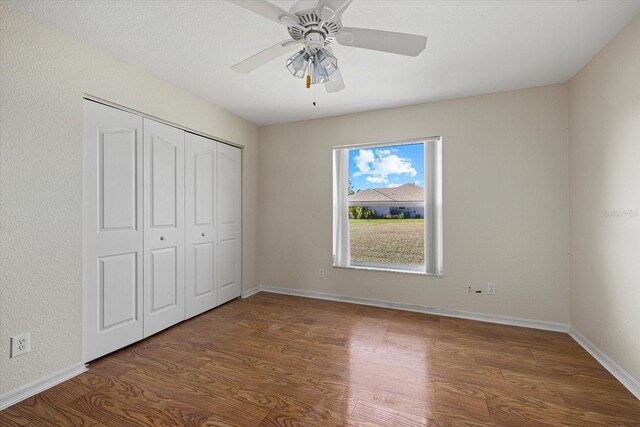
{"points": [[274, 360]]}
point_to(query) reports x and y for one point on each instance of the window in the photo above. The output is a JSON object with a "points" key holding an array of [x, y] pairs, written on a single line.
{"points": [[387, 206]]}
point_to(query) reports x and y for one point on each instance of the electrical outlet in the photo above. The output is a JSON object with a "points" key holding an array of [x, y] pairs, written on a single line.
{"points": [[20, 344], [491, 288], [321, 273]]}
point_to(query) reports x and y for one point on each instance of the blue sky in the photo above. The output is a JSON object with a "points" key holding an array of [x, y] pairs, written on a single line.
{"points": [[386, 166]]}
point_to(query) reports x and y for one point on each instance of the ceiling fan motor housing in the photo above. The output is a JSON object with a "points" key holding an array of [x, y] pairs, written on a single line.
{"points": [[309, 22], [314, 40]]}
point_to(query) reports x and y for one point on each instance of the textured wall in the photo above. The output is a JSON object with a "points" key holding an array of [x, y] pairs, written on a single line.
{"points": [[44, 76], [605, 199], [505, 203]]}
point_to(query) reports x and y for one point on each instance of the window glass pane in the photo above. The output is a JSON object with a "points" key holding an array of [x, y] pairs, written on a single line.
{"points": [[386, 206]]}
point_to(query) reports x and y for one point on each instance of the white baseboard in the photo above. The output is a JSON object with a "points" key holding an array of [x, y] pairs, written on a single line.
{"points": [[503, 320], [247, 294], [14, 396], [632, 384]]}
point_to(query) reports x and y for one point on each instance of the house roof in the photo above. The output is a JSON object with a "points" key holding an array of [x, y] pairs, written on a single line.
{"points": [[403, 193]]}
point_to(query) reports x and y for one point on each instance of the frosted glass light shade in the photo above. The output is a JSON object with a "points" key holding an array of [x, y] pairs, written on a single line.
{"points": [[319, 74], [326, 61], [298, 63]]}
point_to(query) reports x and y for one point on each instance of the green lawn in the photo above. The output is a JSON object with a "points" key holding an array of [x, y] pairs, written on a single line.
{"points": [[393, 241]]}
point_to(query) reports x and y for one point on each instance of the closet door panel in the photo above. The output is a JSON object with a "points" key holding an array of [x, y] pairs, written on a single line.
{"points": [[118, 289], [163, 186], [164, 226], [203, 268], [229, 222], [118, 179], [163, 280], [113, 234], [200, 199]]}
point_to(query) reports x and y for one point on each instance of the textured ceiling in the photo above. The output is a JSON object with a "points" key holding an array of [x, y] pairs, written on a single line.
{"points": [[474, 47]]}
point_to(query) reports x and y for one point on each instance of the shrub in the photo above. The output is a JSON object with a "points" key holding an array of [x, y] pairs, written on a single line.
{"points": [[417, 216], [401, 215], [362, 212]]}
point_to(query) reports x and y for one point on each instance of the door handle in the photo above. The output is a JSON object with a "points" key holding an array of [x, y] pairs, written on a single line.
{"points": [[161, 237], [202, 234]]}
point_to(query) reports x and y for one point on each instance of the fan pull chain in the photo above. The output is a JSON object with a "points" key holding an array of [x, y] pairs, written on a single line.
{"points": [[315, 94], [309, 69]]}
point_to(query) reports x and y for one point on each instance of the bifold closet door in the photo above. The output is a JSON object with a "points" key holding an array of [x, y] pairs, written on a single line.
{"points": [[229, 222], [113, 229], [200, 217], [163, 226]]}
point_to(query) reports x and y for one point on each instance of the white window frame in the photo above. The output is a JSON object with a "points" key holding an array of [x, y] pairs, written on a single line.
{"points": [[433, 229]]}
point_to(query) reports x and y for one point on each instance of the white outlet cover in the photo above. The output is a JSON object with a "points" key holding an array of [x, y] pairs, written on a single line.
{"points": [[491, 288], [20, 344]]}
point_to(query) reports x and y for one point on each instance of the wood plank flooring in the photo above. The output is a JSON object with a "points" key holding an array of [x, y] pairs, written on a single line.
{"points": [[274, 360]]}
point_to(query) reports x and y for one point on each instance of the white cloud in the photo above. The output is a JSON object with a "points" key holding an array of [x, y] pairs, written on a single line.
{"points": [[377, 179], [363, 158], [417, 182], [379, 165], [393, 185]]}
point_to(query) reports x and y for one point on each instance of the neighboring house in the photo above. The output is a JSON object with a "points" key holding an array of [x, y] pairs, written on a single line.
{"points": [[407, 198]]}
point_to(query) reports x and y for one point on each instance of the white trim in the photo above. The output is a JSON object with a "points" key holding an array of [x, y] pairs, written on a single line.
{"points": [[387, 143], [398, 268], [392, 204], [247, 294], [627, 380], [446, 312], [99, 100], [341, 247], [14, 396]]}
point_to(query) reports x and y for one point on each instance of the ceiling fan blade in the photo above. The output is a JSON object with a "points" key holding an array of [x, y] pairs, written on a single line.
{"points": [[331, 13], [335, 83], [386, 41], [268, 10], [267, 55]]}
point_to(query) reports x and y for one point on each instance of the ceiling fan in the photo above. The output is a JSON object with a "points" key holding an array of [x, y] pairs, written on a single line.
{"points": [[315, 28]]}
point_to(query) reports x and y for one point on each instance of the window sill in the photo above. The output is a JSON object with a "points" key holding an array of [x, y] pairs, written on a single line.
{"points": [[388, 270]]}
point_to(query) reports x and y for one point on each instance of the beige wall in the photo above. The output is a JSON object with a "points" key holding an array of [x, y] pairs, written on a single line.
{"points": [[605, 176], [505, 203], [44, 76]]}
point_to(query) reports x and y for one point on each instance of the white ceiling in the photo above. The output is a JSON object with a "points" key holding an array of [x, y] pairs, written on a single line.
{"points": [[474, 47]]}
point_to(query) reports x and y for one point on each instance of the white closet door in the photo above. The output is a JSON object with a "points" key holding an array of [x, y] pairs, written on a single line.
{"points": [[229, 222], [200, 217], [113, 229], [163, 226]]}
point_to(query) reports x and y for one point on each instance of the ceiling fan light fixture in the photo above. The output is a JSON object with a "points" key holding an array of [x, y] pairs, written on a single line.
{"points": [[299, 63], [326, 61], [319, 74]]}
